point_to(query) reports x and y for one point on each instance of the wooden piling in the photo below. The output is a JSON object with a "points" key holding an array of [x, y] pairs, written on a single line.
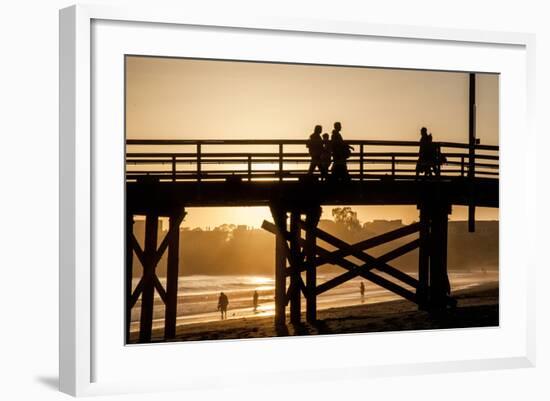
{"points": [[439, 281], [129, 271], [312, 219], [423, 257], [148, 293], [280, 266], [172, 275], [295, 279]]}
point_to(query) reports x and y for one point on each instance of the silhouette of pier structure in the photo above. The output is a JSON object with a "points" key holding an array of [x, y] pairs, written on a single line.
{"points": [[164, 177]]}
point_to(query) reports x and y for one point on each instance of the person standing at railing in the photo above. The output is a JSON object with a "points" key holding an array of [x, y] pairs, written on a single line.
{"points": [[341, 151], [315, 148]]}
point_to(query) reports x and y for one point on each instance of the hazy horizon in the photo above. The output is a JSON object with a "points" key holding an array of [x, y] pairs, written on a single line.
{"points": [[189, 223]]}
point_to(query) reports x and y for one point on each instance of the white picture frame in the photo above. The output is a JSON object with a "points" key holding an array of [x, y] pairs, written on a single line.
{"points": [[82, 346]]}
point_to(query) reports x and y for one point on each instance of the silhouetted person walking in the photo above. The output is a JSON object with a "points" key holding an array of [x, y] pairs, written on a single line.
{"points": [[362, 290], [223, 301], [255, 300], [315, 148], [425, 153], [326, 157], [341, 151]]}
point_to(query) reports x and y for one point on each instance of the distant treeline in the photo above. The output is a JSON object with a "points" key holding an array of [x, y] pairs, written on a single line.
{"points": [[229, 249]]}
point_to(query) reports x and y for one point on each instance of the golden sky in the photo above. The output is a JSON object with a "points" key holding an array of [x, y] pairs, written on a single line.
{"points": [[168, 98]]}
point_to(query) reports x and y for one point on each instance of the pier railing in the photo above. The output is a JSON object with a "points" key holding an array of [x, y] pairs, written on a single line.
{"points": [[288, 160]]}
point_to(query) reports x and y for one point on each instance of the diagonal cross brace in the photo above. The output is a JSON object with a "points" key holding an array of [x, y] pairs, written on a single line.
{"points": [[355, 270], [356, 248], [150, 269], [366, 258], [370, 261], [375, 278], [139, 288], [354, 273]]}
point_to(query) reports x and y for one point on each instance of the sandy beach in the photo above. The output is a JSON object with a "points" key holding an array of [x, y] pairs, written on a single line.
{"points": [[477, 307]]}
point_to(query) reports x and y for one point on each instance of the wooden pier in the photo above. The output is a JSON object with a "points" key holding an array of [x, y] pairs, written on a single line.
{"points": [[161, 182]]}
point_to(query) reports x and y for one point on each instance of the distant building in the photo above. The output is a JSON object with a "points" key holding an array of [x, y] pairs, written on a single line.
{"points": [[383, 225]]}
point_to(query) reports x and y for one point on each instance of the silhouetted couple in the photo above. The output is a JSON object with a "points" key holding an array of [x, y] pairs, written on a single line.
{"points": [[324, 151], [429, 155]]}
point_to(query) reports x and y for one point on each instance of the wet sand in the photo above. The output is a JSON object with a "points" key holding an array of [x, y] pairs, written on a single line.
{"points": [[477, 307]]}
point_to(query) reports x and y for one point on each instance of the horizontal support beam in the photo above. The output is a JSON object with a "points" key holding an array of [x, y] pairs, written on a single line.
{"points": [[162, 198]]}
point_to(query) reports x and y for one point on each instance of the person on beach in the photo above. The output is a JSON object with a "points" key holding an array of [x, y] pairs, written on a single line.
{"points": [[341, 151], [223, 301], [315, 147], [326, 157], [362, 289], [255, 300]]}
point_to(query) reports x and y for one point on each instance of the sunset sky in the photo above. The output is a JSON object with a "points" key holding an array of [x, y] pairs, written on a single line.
{"points": [[168, 98]]}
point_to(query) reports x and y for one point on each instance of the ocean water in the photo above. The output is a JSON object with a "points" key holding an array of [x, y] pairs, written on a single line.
{"points": [[198, 295]]}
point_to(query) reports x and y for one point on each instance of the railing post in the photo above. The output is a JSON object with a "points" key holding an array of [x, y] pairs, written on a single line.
{"points": [[361, 161], [173, 168], [198, 162], [462, 166], [438, 160], [249, 168], [393, 166], [280, 162]]}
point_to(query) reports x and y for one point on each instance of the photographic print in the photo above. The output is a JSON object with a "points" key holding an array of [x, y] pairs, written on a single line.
{"points": [[276, 199]]}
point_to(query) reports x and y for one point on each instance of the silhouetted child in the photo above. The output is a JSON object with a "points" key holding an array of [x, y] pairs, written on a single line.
{"points": [[326, 157], [223, 301]]}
